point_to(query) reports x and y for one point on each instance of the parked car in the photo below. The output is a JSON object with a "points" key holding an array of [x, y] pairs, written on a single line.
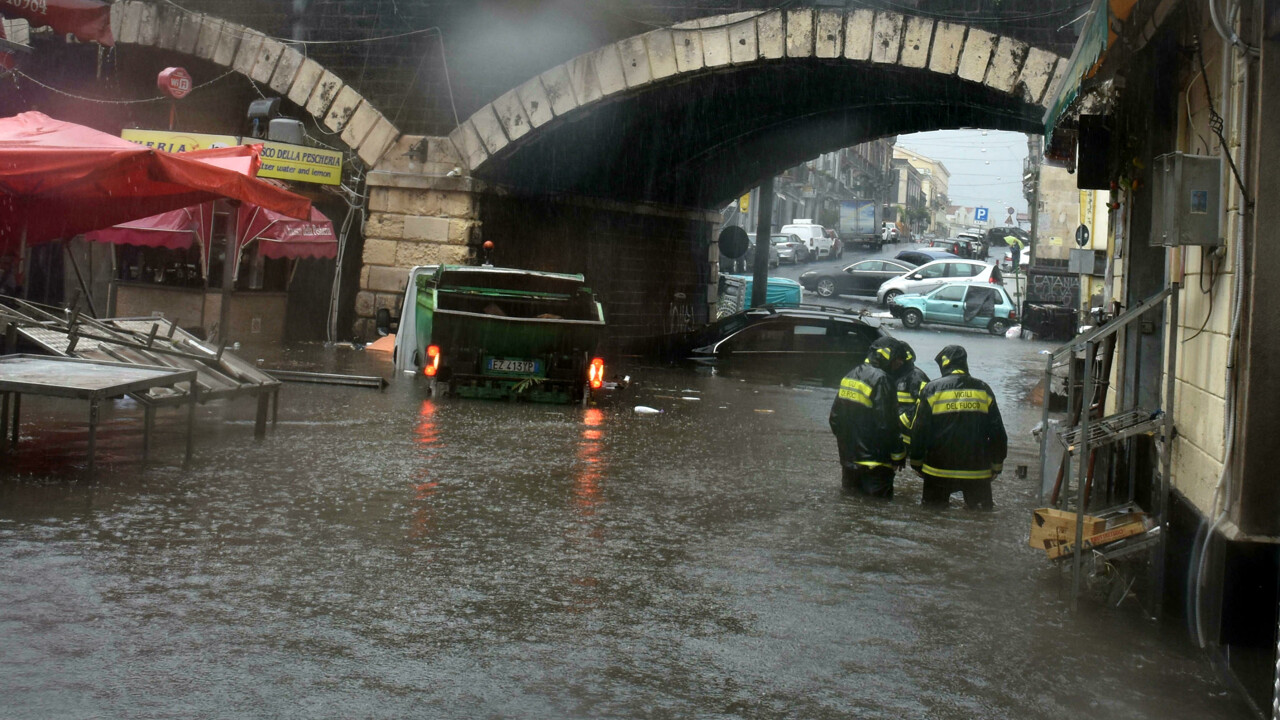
{"points": [[955, 246], [889, 231], [939, 272], [860, 278], [791, 248], [801, 343], [967, 304], [921, 257], [746, 263], [813, 235]]}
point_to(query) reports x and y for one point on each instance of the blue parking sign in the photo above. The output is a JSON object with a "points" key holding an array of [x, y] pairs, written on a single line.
{"points": [[980, 214]]}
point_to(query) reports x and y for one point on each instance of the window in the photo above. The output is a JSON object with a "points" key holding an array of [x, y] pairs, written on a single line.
{"points": [[868, 266], [810, 338], [765, 337], [965, 269], [980, 294], [933, 271], [952, 293]]}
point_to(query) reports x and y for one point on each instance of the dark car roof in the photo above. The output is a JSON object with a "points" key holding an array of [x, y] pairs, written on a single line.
{"points": [[931, 254]]}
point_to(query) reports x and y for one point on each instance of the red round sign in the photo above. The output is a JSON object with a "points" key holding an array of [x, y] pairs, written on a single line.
{"points": [[174, 81]]}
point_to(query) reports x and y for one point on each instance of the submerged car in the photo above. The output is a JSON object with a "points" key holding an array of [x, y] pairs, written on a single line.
{"points": [[967, 304], [937, 273], [860, 278], [795, 343]]}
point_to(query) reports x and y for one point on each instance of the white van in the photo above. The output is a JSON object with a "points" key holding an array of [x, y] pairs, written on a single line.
{"points": [[814, 236]]}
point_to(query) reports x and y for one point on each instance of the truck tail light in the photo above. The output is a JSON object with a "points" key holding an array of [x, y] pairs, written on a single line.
{"points": [[433, 361], [595, 373]]}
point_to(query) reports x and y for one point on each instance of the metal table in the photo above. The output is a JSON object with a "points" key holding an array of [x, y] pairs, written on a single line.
{"points": [[89, 380]]}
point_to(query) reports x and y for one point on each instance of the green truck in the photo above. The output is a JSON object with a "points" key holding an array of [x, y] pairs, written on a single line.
{"points": [[502, 333]]}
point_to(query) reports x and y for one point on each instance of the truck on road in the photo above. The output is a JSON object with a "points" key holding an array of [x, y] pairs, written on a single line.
{"points": [[859, 226]]}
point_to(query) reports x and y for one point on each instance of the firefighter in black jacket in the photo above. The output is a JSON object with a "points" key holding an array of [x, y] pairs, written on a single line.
{"points": [[908, 380], [958, 441], [864, 419]]}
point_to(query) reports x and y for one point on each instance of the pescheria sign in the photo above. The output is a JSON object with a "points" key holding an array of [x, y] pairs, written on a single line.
{"points": [[88, 20]]}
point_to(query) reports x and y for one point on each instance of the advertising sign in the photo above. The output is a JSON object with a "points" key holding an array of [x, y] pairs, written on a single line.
{"points": [[175, 82], [857, 218], [279, 160]]}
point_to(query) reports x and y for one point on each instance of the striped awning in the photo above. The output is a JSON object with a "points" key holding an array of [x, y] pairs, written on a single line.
{"points": [[1101, 29]]}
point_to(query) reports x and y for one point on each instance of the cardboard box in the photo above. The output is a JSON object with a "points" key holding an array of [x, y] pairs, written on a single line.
{"points": [[1050, 527], [1128, 526]]}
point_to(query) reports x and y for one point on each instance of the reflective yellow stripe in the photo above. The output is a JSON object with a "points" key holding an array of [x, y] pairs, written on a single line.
{"points": [[872, 464], [899, 456], [855, 396], [906, 439], [997, 468], [959, 474], [858, 385], [906, 421], [960, 401], [906, 397]]}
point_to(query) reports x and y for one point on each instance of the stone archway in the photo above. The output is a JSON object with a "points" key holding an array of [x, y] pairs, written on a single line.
{"points": [[333, 103], [982, 63]]}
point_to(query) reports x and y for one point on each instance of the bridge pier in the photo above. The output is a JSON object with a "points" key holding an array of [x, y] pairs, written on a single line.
{"points": [[654, 267]]}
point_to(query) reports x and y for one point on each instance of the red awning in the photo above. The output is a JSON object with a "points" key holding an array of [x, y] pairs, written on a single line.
{"points": [[59, 179], [88, 20], [279, 236]]}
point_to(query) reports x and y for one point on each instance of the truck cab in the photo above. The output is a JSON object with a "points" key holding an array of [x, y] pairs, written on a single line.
{"points": [[501, 333]]}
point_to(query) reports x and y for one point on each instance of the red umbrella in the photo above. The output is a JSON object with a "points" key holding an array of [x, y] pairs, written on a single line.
{"points": [[86, 19], [59, 179]]}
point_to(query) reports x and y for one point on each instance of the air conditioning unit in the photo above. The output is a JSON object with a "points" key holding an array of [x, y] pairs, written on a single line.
{"points": [[1187, 192]]}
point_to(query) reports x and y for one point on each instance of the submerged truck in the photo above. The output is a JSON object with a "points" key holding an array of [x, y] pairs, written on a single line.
{"points": [[501, 333]]}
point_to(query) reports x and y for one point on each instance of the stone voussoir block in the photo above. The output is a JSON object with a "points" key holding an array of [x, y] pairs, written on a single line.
{"points": [[375, 144], [304, 82], [635, 61], [228, 42], [800, 33], [828, 37], [537, 106], [467, 142], [247, 53], [976, 55], [489, 129], [559, 89], [188, 33], [510, 111], [322, 97], [148, 25], [286, 70], [886, 43], [168, 26], [358, 127], [269, 52], [344, 106], [859, 29], [744, 45], [948, 41], [131, 18]]}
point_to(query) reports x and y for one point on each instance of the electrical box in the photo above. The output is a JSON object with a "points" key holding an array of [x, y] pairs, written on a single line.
{"points": [[1187, 193], [1087, 262]]}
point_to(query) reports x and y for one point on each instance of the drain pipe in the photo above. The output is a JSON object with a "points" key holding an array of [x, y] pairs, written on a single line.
{"points": [[1223, 489]]}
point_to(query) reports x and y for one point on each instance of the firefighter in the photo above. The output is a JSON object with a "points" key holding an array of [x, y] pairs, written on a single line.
{"points": [[864, 420], [958, 441], [908, 380]]}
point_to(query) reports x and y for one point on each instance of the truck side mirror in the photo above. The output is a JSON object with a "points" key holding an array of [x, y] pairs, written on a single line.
{"points": [[383, 321]]}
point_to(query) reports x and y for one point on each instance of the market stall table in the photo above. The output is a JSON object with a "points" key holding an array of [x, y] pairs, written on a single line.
{"points": [[85, 380]]}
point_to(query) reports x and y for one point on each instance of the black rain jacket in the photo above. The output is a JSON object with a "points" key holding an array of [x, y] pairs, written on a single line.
{"points": [[864, 415], [957, 432]]}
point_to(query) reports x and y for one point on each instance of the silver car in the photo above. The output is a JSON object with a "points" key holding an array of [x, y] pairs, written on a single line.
{"points": [[790, 248]]}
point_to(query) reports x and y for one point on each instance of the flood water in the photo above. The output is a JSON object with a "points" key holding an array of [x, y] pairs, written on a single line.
{"points": [[380, 554]]}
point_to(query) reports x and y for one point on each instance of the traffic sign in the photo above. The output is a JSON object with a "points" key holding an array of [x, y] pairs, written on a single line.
{"points": [[980, 214]]}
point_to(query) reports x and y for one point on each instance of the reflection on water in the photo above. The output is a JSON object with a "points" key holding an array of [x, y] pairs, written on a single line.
{"points": [[382, 555]]}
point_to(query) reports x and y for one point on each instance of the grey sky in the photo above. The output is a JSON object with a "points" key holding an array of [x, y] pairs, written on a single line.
{"points": [[985, 165]]}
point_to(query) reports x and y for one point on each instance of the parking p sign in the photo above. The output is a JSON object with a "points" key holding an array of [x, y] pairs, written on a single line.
{"points": [[980, 214]]}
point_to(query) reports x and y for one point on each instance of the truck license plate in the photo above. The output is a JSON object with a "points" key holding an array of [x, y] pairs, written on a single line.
{"points": [[513, 366]]}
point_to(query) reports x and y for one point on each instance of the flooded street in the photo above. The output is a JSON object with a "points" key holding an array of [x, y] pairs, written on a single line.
{"points": [[385, 555]]}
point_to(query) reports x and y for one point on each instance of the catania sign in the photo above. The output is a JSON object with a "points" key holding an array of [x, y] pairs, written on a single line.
{"points": [[279, 160]]}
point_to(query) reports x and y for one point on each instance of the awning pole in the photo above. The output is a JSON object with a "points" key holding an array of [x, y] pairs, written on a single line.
{"points": [[75, 265], [228, 275]]}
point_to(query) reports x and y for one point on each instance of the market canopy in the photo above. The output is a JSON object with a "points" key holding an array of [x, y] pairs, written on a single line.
{"points": [[59, 179], [278, 236], [1096, 38]]}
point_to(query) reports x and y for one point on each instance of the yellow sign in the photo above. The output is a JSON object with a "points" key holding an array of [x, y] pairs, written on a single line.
{"points": [[744, 203], [278, 160], [301, 164], [175, 142]]}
